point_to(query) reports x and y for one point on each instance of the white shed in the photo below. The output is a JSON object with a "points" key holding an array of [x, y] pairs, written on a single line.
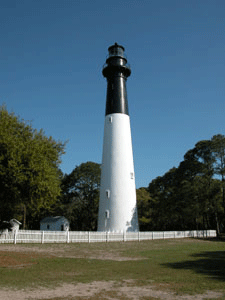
{"points": [[54, 224]]}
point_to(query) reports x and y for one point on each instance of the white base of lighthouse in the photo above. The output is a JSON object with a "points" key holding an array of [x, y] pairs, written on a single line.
{"points": [[117, 206]]}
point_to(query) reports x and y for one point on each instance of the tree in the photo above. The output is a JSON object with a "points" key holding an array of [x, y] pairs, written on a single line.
{"points": [[208, 158], [191, 196], [144, 208], [218, 149], [81, 196], [199, 163], [167, 205], [29, 169]]}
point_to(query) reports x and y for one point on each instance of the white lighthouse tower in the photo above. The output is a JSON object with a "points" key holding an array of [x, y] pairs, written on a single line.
{"points": [[117, 206]]}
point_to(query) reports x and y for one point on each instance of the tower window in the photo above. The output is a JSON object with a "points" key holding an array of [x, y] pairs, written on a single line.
{"points": [[132, 175], [107, 214], [110, 119], [107, 193]]}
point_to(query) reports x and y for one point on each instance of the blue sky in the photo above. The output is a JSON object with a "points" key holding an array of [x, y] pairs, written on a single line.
{"points": [[51, 58]]}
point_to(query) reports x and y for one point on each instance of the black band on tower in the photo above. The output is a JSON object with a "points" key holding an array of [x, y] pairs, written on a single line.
{"points": [[116, 71]]}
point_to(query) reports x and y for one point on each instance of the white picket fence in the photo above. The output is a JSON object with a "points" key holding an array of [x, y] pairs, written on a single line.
{"points": [[37, 236]]}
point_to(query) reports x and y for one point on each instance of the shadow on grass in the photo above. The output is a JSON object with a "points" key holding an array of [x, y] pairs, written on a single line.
{"points": [[220, 238], [209, 263]]}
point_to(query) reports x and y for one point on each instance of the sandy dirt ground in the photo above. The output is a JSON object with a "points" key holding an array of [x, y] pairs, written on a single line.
{"points": [[99, 290], [124, 290]]}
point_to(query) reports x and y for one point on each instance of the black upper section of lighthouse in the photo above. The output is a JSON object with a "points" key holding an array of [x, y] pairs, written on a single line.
{"points": [[116, 71]]}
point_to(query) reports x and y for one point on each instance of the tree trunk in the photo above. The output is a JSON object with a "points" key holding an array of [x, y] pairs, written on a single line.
{"points": [[217, 225], [24, 217]]}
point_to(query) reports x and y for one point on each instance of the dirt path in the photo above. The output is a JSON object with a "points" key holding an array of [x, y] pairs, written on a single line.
{"points": [[100, 290], [64, 251]]}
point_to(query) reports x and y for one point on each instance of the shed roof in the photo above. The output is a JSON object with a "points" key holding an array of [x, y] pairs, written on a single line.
{"points": [[14, 221]]}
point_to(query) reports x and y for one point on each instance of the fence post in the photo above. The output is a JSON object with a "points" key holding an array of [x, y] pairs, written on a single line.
{"points": [[15, 234], [89, 239], [6, 235], [124, 236], [42, 237], [107, 236], [138, 236], [152, 235], [68, 237]]}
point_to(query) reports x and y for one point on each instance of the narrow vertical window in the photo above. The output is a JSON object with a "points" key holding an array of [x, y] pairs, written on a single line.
{"points": [[107, 193]]}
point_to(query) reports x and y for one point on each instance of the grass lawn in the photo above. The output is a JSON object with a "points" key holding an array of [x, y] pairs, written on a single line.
{"points": [[189, 266]]}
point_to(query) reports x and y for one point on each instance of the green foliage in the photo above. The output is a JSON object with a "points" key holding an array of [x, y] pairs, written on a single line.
{"points": [[81, 196], [166, 209], [191, 196], [218, 152], [144, 208], [29, 169]]}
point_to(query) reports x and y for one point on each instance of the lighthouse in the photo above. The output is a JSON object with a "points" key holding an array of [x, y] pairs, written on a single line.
{"points": [[117, 205]]}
